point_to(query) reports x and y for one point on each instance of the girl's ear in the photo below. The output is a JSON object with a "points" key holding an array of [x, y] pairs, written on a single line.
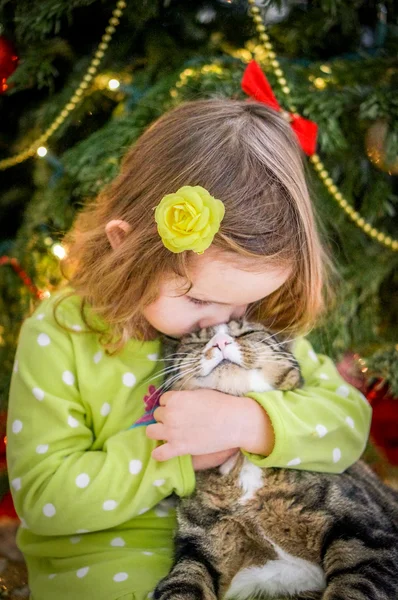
{"points": [[116, 230]]}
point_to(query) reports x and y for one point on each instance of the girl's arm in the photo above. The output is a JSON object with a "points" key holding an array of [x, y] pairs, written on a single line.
{"points": [[60, 484], [323, 426]]}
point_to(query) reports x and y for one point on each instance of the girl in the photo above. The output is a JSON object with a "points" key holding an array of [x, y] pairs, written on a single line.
{"points": [[90, 490]]}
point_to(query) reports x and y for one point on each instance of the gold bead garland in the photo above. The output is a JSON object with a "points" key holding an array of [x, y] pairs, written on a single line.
{"points": [[77, 95], [320, 168]]}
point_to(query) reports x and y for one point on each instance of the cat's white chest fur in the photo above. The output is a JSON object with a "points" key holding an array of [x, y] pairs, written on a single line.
{"points": [[287, 574]]}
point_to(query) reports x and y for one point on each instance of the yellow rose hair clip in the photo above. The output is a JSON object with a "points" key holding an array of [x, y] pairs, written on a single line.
{"points": [[189, 219]]}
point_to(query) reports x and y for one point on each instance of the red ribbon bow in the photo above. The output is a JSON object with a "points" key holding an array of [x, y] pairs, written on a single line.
{"points": [[256, 85]]}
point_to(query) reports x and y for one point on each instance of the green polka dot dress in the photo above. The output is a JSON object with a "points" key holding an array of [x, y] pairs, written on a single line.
{"points": [[96, 518]]}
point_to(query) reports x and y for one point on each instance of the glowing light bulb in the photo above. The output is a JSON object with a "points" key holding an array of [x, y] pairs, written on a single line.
{"points": [[320, 83], [58, 251], [113, 84], [42, 151]]}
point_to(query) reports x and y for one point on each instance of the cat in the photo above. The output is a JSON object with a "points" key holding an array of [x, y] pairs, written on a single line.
{"points": [[248, 532]]}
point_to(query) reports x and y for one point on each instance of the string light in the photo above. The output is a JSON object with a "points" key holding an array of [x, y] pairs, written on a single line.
{"points": [[113, 84], [319, 83], [59, 251], [42, 151]]}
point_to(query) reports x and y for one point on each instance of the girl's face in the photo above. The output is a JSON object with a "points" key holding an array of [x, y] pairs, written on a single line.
{"points": [[220, 292]]}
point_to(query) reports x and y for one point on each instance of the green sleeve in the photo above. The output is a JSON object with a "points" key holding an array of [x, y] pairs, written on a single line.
{"points": [[323, 426], [59, 484]]}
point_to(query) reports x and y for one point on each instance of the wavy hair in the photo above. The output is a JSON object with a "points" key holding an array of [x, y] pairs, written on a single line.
{"points": [[244, 154]]}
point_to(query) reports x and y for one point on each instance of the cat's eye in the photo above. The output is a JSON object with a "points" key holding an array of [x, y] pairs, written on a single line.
{"points": [[245, 333]]}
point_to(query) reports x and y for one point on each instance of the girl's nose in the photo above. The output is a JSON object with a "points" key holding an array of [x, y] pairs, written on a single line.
{"points": [[222, 317]]}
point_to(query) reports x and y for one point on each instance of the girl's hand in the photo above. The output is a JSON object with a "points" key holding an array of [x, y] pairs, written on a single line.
{"points": [[205, 421], [209, 461]]}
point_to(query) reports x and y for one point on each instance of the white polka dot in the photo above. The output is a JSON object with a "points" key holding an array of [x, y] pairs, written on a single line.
{"points": [[68, 378], [135, 466], [38, 393], [76, 327], [82, 480], [49, 510], [82, 572], [109, 505], [52, 575], [15, 369], [75, 539], [161, 511], [97, 357], [17, 426], [41, 448], [72, 422], [150, 595], [159, 482], [152, 356], [293, 462], [323, 376], [16, 483], [118, 541], [120, 577], [321, 430], [81, 530], [147, 553], [350, 422], [343, 391], [312, 355], [105, 409], [129, 379], [40, 317], [43, 339], [336, 455], [142, 511]]}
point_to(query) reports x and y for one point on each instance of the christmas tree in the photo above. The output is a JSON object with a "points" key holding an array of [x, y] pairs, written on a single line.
{"points": [[79, 82]]}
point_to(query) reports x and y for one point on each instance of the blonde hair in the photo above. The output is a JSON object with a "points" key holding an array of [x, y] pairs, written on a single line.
{"points": [[245, 155]]}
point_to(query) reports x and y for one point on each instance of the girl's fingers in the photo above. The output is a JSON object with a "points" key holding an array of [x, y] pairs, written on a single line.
{"points": [[163, 452], [159, 414], [156, 431]]}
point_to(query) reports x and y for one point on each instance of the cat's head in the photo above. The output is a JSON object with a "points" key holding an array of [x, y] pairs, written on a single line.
{"points": [[235, 358]]}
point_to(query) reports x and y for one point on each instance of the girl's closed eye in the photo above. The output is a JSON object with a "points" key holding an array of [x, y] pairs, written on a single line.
{"points": [[197, 301]]}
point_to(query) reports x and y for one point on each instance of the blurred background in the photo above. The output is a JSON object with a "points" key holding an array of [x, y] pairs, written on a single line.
{"points": [[81, 79]]}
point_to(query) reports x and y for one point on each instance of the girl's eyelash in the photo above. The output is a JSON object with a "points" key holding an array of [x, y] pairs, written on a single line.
{"points": [[198, 302]]}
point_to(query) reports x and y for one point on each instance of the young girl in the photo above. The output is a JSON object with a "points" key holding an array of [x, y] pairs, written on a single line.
{"points": [[90, 490]]}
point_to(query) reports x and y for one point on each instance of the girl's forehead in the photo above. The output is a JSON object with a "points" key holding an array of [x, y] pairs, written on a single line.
{"points": [[216, 278]]}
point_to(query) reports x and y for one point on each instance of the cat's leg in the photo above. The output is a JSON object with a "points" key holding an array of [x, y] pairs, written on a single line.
{"points": [[355, 571], [193, 575]]}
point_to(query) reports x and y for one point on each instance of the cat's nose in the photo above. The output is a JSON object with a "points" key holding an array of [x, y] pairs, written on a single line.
{"points": [[220, 340]]}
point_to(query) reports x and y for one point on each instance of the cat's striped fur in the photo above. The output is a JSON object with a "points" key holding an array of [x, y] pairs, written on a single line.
{"points": [[248, 532]]}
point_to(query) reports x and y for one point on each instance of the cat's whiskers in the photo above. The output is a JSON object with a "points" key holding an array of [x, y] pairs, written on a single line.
{"points": [[175, 378]]}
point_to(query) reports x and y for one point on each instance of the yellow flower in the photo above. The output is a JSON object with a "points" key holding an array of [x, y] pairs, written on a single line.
{"points": [[189, 219]]}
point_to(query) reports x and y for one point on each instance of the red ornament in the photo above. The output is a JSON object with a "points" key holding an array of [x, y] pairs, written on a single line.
{"points": [[255, 84], [8, 62], [384, 428], [7, 260]]}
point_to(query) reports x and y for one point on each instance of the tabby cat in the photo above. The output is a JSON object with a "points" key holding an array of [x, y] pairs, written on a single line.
{"points": [[248, 532]]}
